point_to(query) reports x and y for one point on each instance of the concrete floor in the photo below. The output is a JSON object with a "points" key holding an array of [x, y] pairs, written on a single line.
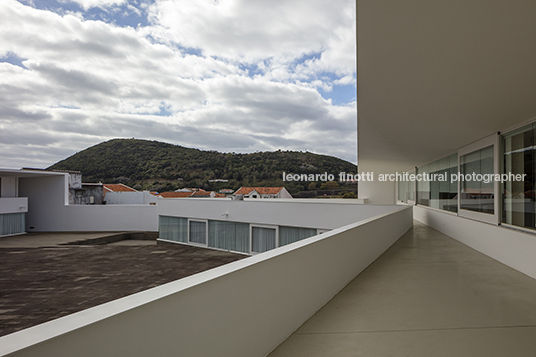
{"points": [[428, 295]]}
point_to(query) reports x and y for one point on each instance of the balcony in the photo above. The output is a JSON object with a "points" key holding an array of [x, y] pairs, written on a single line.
{"points": [[428, 295]]}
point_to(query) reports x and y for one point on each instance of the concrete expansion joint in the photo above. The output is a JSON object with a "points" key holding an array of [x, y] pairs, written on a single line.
{"points": [[417, 330]]}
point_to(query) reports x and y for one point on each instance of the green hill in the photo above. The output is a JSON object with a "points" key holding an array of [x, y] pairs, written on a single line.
{"points": [[160, 166]]}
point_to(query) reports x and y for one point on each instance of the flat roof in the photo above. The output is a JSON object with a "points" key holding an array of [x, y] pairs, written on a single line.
{"points": [[29, 173], [44, 283]]}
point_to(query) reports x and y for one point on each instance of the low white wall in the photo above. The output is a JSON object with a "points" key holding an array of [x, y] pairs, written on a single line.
{"points": [[310, 213], [511, 247], [245, 308], [103, 218], [130, 198], [13, 205]]}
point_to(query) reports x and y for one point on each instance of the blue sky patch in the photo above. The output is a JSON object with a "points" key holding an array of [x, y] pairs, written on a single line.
{"points": [[13, 59]]}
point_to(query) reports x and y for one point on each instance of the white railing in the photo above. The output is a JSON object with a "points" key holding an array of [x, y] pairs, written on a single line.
{"points": [[245, 308]]}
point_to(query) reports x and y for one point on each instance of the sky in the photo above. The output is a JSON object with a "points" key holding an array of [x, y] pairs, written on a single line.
{"points": [[228, 75]]}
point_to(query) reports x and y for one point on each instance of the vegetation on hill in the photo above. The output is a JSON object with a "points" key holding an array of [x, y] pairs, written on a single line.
{"points": [[163, 167]]}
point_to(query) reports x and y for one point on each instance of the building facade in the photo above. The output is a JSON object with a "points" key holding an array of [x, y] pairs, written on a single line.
{"points": [[448, 88]]}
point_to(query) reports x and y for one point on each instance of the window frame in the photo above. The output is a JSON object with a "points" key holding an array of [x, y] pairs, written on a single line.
{"points": [[253, 225], [492, 140], [412, 184], [206, 232]]}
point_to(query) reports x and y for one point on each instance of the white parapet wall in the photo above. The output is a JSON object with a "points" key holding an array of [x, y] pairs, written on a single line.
{"points": [[245, 308], [311, 213], [514, 248], [130, 198], [13, 205]]}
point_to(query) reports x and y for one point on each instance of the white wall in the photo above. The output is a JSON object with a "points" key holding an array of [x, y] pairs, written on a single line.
{"points": [[9, 187], [376, 191], [132, 198], [245, 308], [310, 213], [284, 193], [511, 247], [13, 205], [48, 211]]}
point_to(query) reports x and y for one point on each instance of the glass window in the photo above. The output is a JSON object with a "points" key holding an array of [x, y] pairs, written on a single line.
{"points": [[403, 191], [232, 236], [12, 223], [198, 232], [289, 235], [519, 159], [477, 194], [411, 189], [173, 228], [439, 192], [263, 239]]}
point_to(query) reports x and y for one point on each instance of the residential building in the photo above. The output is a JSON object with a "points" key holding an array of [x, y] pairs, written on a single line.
{"points": [[121, 194], [42, 201], [87, 194], [13, 208], [185, 190], [79, 193], [262, 192], [181, 194], [205, 194], [117, 187]]}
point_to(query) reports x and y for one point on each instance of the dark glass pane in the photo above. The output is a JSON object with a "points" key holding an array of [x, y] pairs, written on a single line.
{"points": [[519, 196], [476, 194]]}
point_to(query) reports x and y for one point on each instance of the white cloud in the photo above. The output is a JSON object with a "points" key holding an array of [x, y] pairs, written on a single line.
{"points": [[252, 30], [89, 81], [88, 4]]}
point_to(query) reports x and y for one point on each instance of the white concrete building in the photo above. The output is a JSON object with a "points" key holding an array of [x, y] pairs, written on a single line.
{"points": [[443, 87], [13, 208], [255, 226], [38, 201], [448, 87]]}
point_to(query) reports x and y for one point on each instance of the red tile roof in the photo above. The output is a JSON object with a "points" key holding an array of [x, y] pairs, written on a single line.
{"points": [[201, 194], [117, 187], [175, 194], [261, 190]]}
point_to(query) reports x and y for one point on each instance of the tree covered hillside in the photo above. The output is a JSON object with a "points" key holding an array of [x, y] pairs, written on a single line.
{"points": [[163, 167]]}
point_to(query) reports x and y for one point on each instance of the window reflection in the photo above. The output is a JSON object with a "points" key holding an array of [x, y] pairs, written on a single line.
{"points": [[477, 195], [519, 196], [439, 194]]}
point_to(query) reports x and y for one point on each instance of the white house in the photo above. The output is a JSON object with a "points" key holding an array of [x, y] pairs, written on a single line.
{"points": [[39, 201], [263, 192]]}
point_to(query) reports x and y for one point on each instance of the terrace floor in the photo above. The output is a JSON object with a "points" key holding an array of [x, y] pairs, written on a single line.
{"points": [[428, 295], [42, 279]]}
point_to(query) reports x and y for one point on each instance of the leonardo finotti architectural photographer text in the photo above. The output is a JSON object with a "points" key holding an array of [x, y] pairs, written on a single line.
{"points": [[405, 176]]}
